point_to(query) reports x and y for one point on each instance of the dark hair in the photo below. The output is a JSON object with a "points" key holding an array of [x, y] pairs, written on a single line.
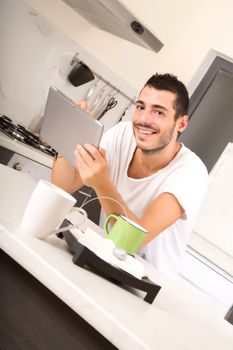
{"points": [[170, 83]]}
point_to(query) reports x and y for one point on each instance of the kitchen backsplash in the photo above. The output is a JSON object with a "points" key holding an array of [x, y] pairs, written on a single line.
{"points": [[36, 55]]}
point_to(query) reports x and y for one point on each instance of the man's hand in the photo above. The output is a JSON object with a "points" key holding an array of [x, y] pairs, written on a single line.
{"points": [[83, 104], [92, 165]]}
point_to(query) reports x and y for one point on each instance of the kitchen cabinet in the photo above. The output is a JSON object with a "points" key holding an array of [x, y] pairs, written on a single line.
{"points": [[211, 124], [5, 155], [32, 317], [210, 135]]}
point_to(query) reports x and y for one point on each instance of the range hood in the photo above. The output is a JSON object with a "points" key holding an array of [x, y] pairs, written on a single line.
{"points": [[113, 17]]}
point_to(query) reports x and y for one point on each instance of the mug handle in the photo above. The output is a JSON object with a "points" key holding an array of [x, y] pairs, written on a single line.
{"points": [[112, 216]]}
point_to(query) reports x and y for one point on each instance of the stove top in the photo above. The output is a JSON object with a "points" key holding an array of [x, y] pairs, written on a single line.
{"points": [[20, 133]]}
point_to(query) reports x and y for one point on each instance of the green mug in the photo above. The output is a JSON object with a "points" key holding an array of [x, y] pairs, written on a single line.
{"points": [[125, 233]]}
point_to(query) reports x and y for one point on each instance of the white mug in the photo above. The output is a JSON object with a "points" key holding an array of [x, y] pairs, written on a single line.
{"points": [[47, 208]]}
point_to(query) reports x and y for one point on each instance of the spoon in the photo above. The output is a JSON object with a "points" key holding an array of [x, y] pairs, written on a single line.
{"points": [[119, 253]]}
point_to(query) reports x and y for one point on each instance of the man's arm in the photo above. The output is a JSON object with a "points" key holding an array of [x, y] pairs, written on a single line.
{"points": [[65, 176], [164, 211]]}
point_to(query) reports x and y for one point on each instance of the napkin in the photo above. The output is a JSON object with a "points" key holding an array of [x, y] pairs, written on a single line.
{"points": [[103, 248]]}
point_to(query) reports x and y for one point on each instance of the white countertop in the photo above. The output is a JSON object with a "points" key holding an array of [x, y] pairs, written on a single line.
{"points": [[179, 318], [25, 150]]}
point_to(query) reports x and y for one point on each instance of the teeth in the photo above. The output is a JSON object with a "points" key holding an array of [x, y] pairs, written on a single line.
{"points": [[145, 132]]}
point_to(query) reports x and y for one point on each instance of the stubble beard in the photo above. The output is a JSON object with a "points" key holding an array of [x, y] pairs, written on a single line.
{"points": [[163, 143]]}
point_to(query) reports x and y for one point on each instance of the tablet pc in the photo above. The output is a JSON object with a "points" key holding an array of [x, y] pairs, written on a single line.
{"points": [[65, 125]]}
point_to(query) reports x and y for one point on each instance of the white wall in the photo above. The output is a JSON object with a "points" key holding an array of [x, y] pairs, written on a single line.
{"points": [[36, 54], [189, 29]]}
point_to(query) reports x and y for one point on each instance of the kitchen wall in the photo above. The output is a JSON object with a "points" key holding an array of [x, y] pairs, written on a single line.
{"points": [[39, 39], [36, 54], [188, 29]]}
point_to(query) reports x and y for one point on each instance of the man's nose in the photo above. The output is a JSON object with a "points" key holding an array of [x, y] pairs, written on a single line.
{"points": [[145, 116]]}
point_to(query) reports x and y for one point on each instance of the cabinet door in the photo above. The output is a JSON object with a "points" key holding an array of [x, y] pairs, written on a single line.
{"points": [[211, 117], [215, 220]]}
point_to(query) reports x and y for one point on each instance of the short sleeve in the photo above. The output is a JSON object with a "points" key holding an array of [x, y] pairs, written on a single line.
{"points": [[188, 183]]}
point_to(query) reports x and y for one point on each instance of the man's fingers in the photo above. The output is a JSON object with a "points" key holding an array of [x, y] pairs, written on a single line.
{"points": [[82, 104], [82, 164], [86, 156], [96, 154], [87, 149], [102, 152]]}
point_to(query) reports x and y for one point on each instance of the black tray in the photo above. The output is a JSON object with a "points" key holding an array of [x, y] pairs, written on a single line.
{"points": [[83, 256]]}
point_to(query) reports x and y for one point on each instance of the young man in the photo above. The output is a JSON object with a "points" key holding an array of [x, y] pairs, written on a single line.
{"points": [[142, 166]]}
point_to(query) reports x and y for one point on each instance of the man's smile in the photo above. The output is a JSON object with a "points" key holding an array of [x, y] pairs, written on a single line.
{"points": [[145, 131]]}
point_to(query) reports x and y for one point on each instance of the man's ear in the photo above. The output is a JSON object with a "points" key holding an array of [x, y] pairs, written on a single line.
{"points": [[182, 123]]}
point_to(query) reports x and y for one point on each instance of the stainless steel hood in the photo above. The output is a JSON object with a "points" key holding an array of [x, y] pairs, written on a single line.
{"points": [[113, 17]]}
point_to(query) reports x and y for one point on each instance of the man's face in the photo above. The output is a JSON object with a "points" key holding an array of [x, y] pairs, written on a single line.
{"points": [[154, 125]]}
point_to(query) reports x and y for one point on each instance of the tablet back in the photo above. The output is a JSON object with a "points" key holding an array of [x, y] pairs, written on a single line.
{"points": [[65, 125]]}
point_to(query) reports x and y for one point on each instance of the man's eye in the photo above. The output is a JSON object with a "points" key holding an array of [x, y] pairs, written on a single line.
{"points": [[159, 113], [139, 107]]}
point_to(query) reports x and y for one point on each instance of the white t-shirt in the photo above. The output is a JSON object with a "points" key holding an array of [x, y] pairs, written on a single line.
{"points": [[185, 177]]}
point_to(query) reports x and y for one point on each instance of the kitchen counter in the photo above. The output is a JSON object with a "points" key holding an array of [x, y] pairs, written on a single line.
{"points": [[179, 318], [25, 150]]}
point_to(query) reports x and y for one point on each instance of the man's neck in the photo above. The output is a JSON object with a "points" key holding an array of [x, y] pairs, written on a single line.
{"points": [[143, 165]]}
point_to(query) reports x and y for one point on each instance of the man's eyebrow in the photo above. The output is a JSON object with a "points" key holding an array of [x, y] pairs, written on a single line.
{"points": [[160, 107], [153, 106], [140, 102]]}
